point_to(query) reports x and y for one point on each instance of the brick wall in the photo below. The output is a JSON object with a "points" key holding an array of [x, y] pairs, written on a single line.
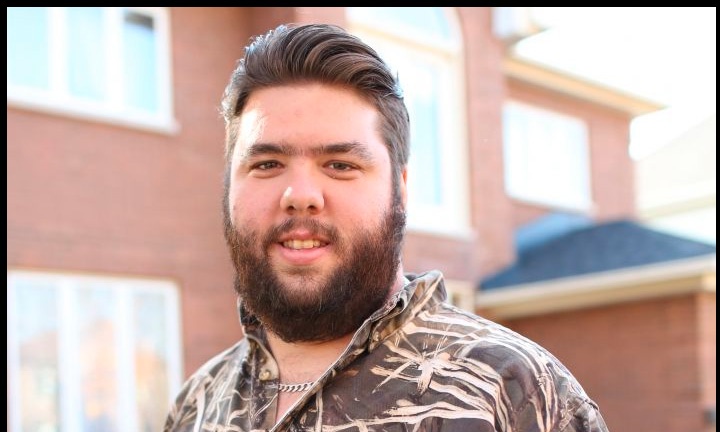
{"points": [[490, 206], [707, 317], [639, 361]]}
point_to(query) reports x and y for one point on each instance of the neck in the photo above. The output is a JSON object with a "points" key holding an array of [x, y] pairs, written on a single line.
{"points": [[301, 362], [305, 361]]}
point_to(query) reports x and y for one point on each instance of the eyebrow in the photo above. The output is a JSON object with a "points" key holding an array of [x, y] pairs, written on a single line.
{"points": [[353, 148]]}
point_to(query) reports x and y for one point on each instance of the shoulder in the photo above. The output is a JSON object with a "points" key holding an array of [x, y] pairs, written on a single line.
{"points": [[526, 379], [204, 384], [483, 339]]}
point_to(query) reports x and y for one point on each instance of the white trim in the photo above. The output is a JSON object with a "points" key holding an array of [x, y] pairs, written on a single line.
{"points": [[30, 100], [68, 364], [115, 82], [576, 87], [595, 289], [125, 340], [165, 71], [671, 198], [174, 330], [57, 49]]}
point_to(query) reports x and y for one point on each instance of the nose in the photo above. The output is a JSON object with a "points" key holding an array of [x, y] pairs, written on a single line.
{"points": [[302, 196]]}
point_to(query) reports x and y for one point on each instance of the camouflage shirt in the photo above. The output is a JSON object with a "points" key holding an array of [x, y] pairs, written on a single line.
{"points": [[417, 364]]}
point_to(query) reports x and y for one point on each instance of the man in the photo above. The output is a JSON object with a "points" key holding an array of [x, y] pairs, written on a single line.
{"points": [[337, 338]]}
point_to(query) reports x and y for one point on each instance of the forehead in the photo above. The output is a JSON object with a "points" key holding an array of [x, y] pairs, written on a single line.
{"points": [[309, 114]]}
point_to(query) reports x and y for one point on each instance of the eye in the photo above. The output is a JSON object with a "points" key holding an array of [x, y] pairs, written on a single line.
{"points": [[340, 170], [267, 165], [265, 169], [341, 166]]}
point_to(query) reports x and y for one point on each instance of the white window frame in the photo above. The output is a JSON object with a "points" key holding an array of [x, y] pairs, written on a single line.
{"points": [[546, 158], [59, 100], [452, 216], [123, 290]]}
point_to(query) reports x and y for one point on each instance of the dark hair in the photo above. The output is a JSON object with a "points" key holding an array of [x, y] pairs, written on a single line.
{"points": [[326, 54]]}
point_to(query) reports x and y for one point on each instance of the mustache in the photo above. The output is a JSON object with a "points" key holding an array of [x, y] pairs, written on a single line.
{"points": [[313, 226]]}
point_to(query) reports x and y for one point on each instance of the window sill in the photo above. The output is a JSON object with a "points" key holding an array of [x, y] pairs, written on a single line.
{"points": [[451, 232], [165, 125], [584, 209]]}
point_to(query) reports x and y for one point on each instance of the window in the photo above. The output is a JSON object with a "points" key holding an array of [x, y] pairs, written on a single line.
{"points": [[109, 64], [424, 47], [546, 157], [90, 353]]}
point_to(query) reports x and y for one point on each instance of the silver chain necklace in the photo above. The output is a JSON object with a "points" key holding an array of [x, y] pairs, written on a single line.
{"points": [[292, 388]]}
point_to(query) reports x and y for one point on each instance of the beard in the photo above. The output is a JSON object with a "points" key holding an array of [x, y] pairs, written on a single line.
{"points": [[318, 308]]}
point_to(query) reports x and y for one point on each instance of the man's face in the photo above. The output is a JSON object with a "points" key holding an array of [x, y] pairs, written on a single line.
{"points": [[313, 220]]}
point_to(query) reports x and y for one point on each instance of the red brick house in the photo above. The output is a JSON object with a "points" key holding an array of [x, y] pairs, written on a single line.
{"points": [[115, 161]]}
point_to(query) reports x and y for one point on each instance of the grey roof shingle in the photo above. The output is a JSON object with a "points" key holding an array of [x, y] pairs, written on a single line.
{"points": [[602, 247]]}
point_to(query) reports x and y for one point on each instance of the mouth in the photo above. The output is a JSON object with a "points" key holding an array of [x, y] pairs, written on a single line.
{"points": [[302, 252], [297, 244]]}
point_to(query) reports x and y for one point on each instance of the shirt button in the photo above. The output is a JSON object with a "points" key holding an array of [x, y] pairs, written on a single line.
{"points": [[265, 375]]}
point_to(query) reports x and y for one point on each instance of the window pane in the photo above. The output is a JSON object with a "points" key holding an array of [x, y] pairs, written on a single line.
{"points": [[428, 21], [27, 47], [90, 354], [37, 336], [421, 82], [86, 62], [546, 157], [140, 59], [152, 384], [98, 357], [421, 91]]}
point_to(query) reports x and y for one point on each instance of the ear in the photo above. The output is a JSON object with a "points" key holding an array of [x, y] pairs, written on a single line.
{"points": [[403, 187]]}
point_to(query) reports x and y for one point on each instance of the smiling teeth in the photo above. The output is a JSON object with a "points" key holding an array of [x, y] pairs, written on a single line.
{"points": [[301, 244]]}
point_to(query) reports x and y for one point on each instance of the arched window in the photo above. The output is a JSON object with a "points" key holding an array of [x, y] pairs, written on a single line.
{"points": [[424, 47]]}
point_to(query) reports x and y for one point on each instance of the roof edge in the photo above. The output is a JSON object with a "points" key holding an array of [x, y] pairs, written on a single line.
{"points": [[657, 280], [564, 82]]}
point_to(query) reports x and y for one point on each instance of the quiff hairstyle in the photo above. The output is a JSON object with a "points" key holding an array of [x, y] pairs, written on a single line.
{"points": [[326, 54]]}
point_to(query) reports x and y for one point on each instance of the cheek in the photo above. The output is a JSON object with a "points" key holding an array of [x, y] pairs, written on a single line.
{"points": [[239, 203], [233, 200], [367, 208], [250, 206]]}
